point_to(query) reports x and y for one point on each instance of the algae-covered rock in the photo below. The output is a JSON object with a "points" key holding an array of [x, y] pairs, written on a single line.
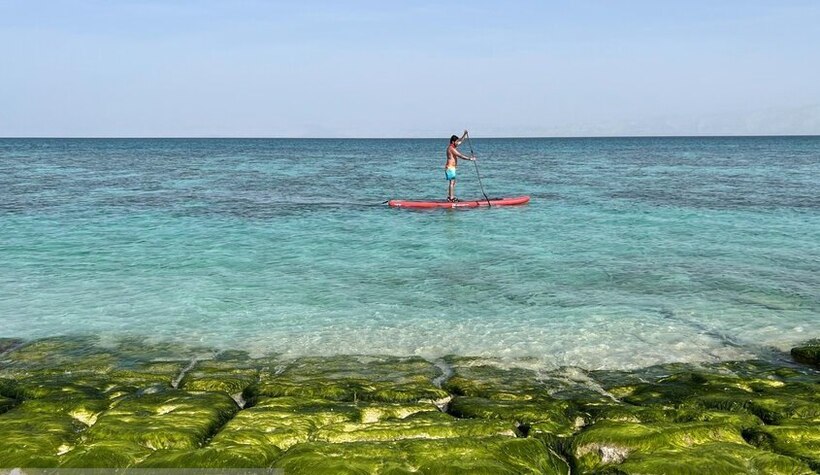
{"points": [[489, 455], [807, 353], [283, 422], [34, 437], [774, 397], [485, 378], [385, 379], [42, 384], [106, 454], [549, 414], [6, 404], [229, 457], [380, 411], [64, 352], [140, 349], [613, 442], [230, 377], [7, 344], [719, 458], [801, 441], [165, 420], [432, 425]]}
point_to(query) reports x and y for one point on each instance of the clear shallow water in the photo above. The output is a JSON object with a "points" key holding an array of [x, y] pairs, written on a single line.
{"points": [[633, 251]]}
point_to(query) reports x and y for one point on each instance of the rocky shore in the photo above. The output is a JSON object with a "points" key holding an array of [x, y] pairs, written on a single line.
{"points": [[75, 402]]}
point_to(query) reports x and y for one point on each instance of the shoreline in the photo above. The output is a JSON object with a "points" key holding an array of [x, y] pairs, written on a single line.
{"points": [[66, 403]]}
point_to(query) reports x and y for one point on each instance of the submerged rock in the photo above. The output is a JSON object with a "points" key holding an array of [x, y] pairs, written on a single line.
{"points": [[549, 415], [808, 353], [350, 378], [424, 425], [233, 377], [7, 344]]}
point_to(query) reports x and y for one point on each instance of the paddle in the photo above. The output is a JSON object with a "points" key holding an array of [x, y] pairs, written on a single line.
{"points": [[475, 162]]}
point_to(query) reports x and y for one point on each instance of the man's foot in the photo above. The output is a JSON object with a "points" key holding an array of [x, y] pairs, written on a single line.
{"points": [[453, 200]]}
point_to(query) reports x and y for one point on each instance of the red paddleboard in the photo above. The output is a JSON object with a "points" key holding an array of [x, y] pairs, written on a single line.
{"points": [[517, 200]]}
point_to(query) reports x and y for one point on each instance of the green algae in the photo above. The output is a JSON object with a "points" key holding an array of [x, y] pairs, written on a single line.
{"points": [[6, 404], [477, 377], [490, 455], [613, 442], [51, 383], [106, 454], [7, 344], [169, 419], [433, 425], [801, 441], [718, 458], [210, 377], [118, 409], [213, 457], [544, 411], [283, 422], [35, 436], [375, 412], [807, 353], [138, 349], [384, 379]]}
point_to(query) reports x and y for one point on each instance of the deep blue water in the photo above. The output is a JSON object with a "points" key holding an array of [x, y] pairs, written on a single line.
{"points": [[633, 251]]}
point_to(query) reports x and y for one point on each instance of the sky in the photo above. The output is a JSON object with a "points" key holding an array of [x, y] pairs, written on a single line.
{"points": [[310, 68]]}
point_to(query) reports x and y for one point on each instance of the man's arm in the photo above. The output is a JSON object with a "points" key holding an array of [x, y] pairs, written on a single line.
{"points": [[465, 157], [463, 136]]}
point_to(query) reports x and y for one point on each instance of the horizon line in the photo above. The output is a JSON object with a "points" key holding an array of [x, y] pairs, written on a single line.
{"points": [[227, 137]]}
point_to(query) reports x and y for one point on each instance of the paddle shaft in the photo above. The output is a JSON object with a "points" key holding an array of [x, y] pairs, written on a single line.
{"points": [[475, 162]]}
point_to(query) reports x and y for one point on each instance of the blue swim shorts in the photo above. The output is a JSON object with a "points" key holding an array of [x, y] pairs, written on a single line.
{"points": [[450, 173]]}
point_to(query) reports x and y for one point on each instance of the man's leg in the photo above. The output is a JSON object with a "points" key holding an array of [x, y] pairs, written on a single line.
{"points": [[451, 191]]}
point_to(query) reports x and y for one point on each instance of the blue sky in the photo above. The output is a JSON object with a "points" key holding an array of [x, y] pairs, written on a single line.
{"points": [[408, 69]]}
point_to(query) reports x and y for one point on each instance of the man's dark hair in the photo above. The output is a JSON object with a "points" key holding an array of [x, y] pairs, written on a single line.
{"points": [[454, 138]]}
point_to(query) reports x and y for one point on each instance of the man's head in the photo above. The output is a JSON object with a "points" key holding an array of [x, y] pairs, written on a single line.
{"points": [[453, 139]]}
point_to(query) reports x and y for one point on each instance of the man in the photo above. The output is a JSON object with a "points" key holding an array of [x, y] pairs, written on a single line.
{"points": [[450, 166]]}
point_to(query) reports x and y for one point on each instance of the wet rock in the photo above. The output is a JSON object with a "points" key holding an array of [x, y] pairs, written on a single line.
{"points": [[798, 440], [490, 455], [106, 454], [229, 457], [7, 344], [34, 435], [425, 425], [6, 404], [385, 379], [808, 353], [283, 422], [484, 378], [230, 377], [169, 419], [718, 458], [548, 414], [608, 443], [138, 349], [62, 351]]}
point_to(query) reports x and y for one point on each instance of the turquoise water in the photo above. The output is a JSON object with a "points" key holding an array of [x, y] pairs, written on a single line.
{"points": [[633, 251]]}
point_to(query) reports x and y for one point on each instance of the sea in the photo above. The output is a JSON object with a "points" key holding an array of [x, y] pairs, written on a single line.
{"points": [[632, 251]]}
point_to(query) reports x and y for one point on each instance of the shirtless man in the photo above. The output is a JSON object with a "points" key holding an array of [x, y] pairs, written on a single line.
{"points": [[450, 166]]}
